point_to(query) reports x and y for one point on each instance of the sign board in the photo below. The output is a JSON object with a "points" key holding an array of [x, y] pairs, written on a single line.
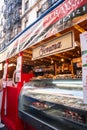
{"points": [[83, 39], [61, 44]]}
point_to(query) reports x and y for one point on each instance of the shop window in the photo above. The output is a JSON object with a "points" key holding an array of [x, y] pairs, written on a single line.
{"points": [[26, 5]]}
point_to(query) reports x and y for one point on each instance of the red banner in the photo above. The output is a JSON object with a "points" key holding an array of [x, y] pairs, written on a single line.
{"points": [[61, 11]]}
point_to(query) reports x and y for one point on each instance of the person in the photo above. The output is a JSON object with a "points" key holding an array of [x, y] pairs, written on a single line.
{"points": [[31, 74], [1, 95]]}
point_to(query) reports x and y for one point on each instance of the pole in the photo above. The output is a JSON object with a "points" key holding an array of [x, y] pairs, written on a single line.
{"points": [[1, 95]]}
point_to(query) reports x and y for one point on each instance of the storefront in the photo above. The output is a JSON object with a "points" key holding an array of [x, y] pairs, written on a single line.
{"points": [[57, 50], [52, 48]]}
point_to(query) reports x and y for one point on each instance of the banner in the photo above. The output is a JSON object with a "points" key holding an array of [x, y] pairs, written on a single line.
{"points": [[83, 39], [67, 14]]}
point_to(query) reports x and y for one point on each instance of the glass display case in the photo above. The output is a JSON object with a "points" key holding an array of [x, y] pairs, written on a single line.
{"points": [[53, 104]]}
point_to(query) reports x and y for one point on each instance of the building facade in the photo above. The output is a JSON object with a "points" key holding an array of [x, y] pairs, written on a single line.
{"points": [[1, 26], [32, 10], [12, 21], [19, 14]]}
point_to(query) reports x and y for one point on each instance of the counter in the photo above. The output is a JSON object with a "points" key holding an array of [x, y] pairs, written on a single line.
{"points": [[53, 104]]}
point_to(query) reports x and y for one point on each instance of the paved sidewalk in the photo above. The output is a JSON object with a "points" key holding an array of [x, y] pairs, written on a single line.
{"points": [[4, 128]]}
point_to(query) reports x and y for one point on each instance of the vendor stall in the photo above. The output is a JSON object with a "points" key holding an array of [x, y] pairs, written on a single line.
{"points": [[13, 79], [54, 98]]}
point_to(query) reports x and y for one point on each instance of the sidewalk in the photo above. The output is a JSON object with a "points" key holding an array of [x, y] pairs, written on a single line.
{"points": [[4, 128]]}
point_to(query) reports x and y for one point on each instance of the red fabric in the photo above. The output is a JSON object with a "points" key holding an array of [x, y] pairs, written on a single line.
{"points": [[2, 112], [27, 77], [12, 120]]}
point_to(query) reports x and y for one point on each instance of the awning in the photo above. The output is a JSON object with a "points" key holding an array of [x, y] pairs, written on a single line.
{"points": [[55, 21]]}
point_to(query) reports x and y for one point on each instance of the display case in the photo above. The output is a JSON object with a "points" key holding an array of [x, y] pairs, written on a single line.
{"points": [[53, 104]]}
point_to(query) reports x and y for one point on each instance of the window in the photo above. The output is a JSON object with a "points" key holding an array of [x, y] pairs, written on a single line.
{"points": [[32, 2], [54, 1], [26, 5], [51, 2], [15, 31], [39, 12], [45, 6], [26, 22]]}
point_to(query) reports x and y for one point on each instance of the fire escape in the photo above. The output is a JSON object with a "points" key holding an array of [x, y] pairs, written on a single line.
{"points": [[12, 15]]}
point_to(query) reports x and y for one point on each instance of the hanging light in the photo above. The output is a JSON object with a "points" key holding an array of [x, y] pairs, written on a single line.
{"points": [[52, 61], [62, 60]]}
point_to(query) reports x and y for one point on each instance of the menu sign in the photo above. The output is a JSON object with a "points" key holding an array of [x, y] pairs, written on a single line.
{"points": [[83, 39]]}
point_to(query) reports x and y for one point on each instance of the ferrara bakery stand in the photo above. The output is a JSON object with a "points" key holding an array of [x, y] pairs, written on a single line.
{"points": [[44, 71]]}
